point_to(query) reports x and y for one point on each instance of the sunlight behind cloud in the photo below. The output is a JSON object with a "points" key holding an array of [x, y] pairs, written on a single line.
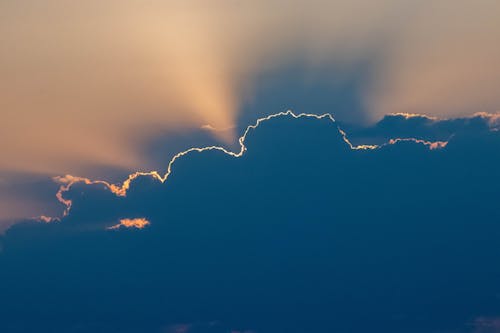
{"points": [[86, 84]]}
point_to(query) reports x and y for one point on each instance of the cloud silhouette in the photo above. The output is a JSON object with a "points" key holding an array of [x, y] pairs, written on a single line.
{"points": [[422, 127], [298, 231]]}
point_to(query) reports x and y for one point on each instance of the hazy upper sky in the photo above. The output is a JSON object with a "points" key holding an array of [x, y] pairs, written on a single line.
{"points": [[87, 83], [83, 81]]}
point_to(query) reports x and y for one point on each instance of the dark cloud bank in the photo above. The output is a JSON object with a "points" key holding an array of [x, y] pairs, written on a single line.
{"points": [[300, 234]]}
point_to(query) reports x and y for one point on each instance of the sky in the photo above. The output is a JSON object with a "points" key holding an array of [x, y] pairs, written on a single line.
{"points": [[88, 86], [264, 166]]}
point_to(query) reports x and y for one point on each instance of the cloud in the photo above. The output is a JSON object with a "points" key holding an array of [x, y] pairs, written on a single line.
{"points": [[486, 325], [430, 131], [393, 129], [138, 223], [210, 327], [421, 127], [121, 189], [301, 232]]}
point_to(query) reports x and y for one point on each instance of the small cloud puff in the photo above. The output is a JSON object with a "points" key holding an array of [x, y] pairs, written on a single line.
{"points": [[138, 223]]}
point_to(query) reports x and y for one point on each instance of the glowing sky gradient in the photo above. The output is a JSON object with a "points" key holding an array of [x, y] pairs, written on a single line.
{"points": [[111, 74]]}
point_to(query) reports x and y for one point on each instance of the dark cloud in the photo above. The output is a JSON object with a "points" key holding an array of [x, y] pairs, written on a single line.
{"points": [[423, 127], [487, 325], [301, 233]]}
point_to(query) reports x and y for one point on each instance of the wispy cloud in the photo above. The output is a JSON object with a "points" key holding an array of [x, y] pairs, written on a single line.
{"points": [[137, 223]]}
